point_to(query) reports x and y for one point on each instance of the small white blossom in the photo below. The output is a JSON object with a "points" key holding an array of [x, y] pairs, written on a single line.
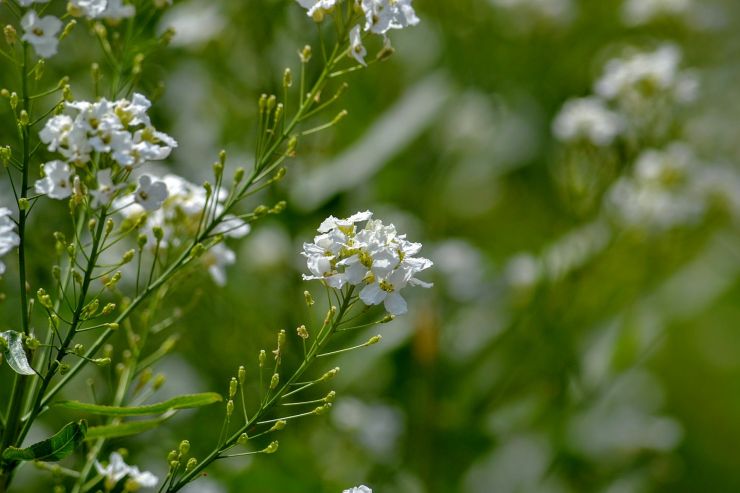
{"points": [[117, 10], [41, 33], [8, 237], [106, 190], [641, 76], [356, 47], [383, 15], [28, 3], [217, 258], [57, 182], [87, 8], [359, 489], [375, 259], [150, 193], [117, 469], [314, 7], [587, 119]]}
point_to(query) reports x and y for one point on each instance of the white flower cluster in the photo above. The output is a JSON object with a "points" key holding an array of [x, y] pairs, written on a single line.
{"points": [[588, 119], [668, 188], [380, 17], [101, 9], [359, 489], [120, 129], [638, 12], [632, 85], [8, 237], [117, 469], [42, 32], [645, 75], [175, 206], [375, 258]]}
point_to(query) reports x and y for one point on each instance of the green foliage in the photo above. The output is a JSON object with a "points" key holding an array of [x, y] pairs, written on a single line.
{"points": [[180, 402], [53, 449]]}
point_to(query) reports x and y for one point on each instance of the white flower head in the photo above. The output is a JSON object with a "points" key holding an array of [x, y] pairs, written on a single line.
{"points": [[359, 489], [117, 469], [356, 48], [28, 3], [8, 237], [316, 8], [375, 259], [151, 193], [117, 10], [637, 12], [106, 190], [384, 15], [87, 8], [41, 33], [57, 182], [587, 119]]}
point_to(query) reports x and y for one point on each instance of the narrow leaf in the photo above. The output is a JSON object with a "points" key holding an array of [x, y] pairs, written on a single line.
{"points": [[15, 354], [52, 449], [125, 429], [179, 402]]}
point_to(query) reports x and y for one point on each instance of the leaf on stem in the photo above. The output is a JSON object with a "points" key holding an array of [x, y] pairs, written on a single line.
{"points": [[126, 429], [52, 449], [15, 354], [179, 402]]}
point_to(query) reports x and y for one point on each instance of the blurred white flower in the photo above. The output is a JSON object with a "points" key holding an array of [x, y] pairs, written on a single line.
{"points": [[41, 33], [588, 119], [57, 182], [376, 258], [217, 258], [28, 3], [117, 469], [117, 10], [106, 190], [8, 237], [317, 7], [359, 489], [559, 11], [87, 8], [151, 193], [355, 45], [644, 75], [636, 12]]}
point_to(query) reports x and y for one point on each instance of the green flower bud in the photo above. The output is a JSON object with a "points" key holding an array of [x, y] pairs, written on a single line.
{"points": [[302, 332], [272, 448], [274, 381], [229, 408], [242, 440], [309, 299], [232, 387], [192, 463], [184, 447], [242, 374], [279, 425], [262, 357]]}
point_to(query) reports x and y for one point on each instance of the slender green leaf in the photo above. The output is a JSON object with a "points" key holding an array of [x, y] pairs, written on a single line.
{"points": [[52, 449], [179, 402], [15, 354], [125, 429]]}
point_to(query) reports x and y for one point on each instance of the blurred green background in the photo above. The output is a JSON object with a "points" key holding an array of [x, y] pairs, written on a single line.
{"points": [[560, 350]]}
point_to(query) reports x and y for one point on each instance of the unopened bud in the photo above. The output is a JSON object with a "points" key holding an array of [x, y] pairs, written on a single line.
{"points": [[279, 425], [229, 408], [374, 340], [309, 298], [302, 332], [243, 438], [108, 309], [329, 374], [184, 447], [272, 448], [11, 36], [232, 387], [305, 54], [172, 456], [287, 78], [242, 375], [102, 362], [192, 463], [128, 256], [262, 357], [274, 381]]}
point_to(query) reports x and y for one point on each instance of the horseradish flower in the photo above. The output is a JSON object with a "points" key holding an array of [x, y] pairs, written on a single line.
{"points": [[316, 8], [217, 258], [384, 15], [355, 45], [87, 8], [587, 119], [645, 75], [57, 182], [8, 237], [28, 3], [151, 193], [375, 259], [359, 489], [117, 469], [117, 10], [41, 33], [106, 190], [637, 12]]}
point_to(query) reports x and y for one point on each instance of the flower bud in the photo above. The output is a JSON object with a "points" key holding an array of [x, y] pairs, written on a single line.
{"points": [[242, 440], [184, 447], [172, 456], [279, 425], [330, 397], [309, 299], [229, 408], [128, 256], [32, 342], [287, 78], [141, 241], [44, 299], [14, 100], [192, 463], [68, 29], [112, 326], [274, 381], [108, 309], [374, 340], [329, 374], [232, 387], [322, 409], [242, 374], [262, 357], [159, 380], [238, 175], [11, 36], [272, 448], [63, 368], [302, 332], [102, 362], [305, 54]]}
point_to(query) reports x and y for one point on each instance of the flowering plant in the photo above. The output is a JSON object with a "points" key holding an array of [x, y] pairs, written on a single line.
{"points": [[125, 234]]}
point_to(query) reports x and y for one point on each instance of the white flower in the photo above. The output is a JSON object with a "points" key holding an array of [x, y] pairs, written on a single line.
{"points": [[375, 258], [28, 3], [106, 190], [117, 469], [636, 12], [359, 489], [317, 6], [355, 45], [8, 237], [41, 33], [384, 15], [151, 193], [217, 259], [57, 182], [641, 76], [88, 8], [117, 10], [589, 119]]}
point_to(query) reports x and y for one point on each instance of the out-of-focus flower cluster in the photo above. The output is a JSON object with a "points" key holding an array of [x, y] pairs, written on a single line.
{"points": [[117, 469], [8, 237], [375, 258]]}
